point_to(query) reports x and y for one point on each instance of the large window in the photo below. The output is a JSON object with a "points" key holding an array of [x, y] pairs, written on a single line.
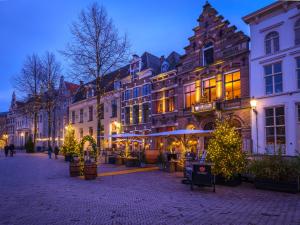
{"points": [[127, 115], [146, 89], [135, 114], [209, 89], [273, 78], [298, 112], [297, 32], [233, 85], [189, 95], [81, 116], [146, 113], [275, 129], [114, 108], [160, 106], [127, 95], [91, 113], [136, 92], [272, 42], [298, 72], [170, 104], [208, 54]]}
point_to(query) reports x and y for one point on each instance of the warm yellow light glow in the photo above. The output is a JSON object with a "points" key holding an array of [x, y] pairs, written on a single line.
{"points": [[22, 134], [253, 103], [219, 86], [198, 91]]}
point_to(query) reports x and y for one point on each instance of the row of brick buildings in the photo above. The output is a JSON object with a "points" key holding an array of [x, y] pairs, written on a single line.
{"points": [[211, 80]]}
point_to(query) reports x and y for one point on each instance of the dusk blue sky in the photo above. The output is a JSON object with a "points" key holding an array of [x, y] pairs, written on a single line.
{"points": [[156, 26]]}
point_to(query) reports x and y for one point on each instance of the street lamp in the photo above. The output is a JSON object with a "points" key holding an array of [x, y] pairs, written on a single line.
{"points": [[253, 104]]}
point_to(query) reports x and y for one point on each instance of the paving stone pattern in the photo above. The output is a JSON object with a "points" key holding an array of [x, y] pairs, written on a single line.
{"points": [[37, 191]]}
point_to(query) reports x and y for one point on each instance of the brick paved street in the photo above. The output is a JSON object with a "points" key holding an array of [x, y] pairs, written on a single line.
{"points": [[35, 190]]}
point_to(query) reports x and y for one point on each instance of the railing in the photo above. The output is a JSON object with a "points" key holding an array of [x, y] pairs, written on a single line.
{"points": [[204, 107]]}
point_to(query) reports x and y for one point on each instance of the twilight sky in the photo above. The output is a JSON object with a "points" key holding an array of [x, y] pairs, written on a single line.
{"points": [[156, 26]]}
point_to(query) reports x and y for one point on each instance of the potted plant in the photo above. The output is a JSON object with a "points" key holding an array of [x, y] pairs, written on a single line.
{"points": [[225, 153], [70, 146], [276, 173]]}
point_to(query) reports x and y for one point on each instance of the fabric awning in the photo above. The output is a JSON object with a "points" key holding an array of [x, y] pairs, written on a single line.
{"points": [[198, 133], [125, 135]]}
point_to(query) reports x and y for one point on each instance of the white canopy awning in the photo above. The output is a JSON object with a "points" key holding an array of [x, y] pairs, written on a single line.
{"points": [[198, 133], [125, 135]]}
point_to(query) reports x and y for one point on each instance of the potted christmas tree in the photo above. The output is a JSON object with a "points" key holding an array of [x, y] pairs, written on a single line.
{"points": [[225, 153]]}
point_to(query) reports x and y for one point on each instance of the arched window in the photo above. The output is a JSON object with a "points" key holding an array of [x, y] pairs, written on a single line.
{"points": [[297, 32], [272, 42], [208, 54]]}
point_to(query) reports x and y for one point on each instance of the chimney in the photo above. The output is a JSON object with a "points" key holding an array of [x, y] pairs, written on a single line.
{"points": [[81, 82]]}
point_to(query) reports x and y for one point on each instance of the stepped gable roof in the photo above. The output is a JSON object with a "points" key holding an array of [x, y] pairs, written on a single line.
{"points": [[107, 83], [173, 59]]}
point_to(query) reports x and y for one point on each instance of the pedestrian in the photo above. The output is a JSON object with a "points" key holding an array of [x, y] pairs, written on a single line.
{"points": [[56, 151], [50, 152], [6, 149]]}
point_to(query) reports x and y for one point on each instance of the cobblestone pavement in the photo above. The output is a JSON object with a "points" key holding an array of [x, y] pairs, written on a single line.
{"points": [[36, 190]]}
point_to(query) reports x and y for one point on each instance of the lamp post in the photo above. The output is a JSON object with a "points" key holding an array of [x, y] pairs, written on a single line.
{"points": [[253, 104]]}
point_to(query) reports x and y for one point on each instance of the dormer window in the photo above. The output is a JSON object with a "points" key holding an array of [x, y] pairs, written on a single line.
{"points": [[90, 93], [208, 54], [165, 66], [117, 85], [135, 65]]}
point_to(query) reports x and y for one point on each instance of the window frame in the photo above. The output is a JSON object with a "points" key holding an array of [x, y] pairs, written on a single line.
{"points": [[232, 82], [190, 95], [272, 75], [297, 28], [205, 49], [209, 98], [298, 72], [275, 126], [272, 39]]}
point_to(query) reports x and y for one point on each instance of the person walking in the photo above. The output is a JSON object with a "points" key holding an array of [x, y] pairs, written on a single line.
{"points": [[6, 149], [50, 152], [56, 151], [11, 150]]}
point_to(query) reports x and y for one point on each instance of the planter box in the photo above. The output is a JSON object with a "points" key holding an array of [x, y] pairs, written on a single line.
{"points": [[90, 171], [232, 182], [74, 169], [132, 162], [284, 186]]}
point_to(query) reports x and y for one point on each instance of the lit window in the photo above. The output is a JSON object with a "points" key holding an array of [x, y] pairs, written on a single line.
{"points": [[209, 89], [208, 54], [233, 85], [160, 106], [297, 32], [189, 95], [170, 104], [273, 78], [272, 42], [298, 72], [275, 129]]}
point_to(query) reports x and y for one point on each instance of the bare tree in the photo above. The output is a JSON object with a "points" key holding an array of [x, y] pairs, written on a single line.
{"points": [[96, 50], [51, 71], [28, 83]]}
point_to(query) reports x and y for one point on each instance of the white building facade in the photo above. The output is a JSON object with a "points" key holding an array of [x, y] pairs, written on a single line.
{"points": [[275, 78]]}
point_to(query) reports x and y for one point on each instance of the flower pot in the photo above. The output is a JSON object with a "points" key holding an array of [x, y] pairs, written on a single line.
{"points": [[283, 186], [74, 169], [90, 171]]}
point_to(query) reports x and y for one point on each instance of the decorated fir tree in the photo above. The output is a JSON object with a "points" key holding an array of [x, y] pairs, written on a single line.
{"points": [[225, 150], [70, 146]]}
